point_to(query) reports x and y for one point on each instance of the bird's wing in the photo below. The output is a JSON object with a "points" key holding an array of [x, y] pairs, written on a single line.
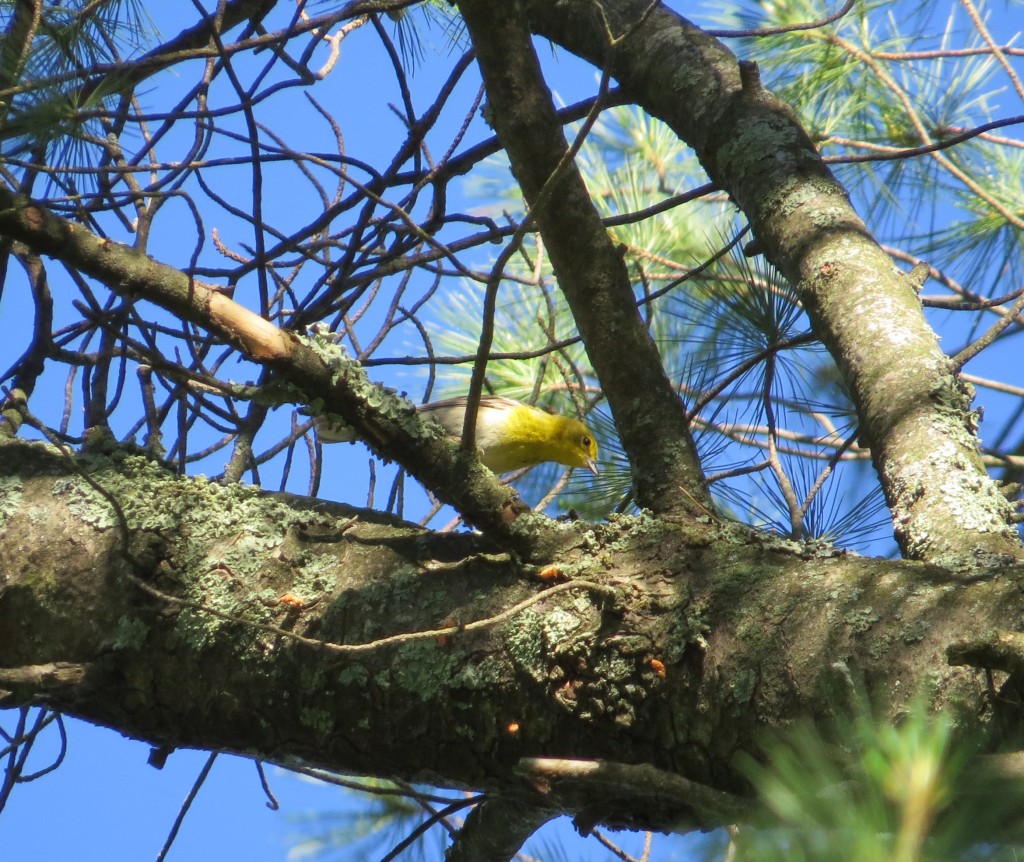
{"points": [[450, 413], [488, 402]]}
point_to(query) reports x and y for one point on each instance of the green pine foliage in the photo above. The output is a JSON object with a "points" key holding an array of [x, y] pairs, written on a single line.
{"points": [[776, 431], [872, 789], [62, 81], [733, 337]]}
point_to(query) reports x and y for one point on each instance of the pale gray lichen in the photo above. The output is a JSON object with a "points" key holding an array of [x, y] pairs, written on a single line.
{"points": [[10, 496], [422, 668], [861, 620]]}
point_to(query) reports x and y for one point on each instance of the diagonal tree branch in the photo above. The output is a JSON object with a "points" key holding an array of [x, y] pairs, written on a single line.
{"points": [[650, 418], [944, 505], [311, 371]]}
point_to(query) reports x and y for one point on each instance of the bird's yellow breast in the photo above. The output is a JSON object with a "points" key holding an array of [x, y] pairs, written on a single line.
{"points": [[522, 436]]}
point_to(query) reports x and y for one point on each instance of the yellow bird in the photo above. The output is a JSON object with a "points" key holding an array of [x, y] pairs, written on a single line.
{"points": [[509, 434]]}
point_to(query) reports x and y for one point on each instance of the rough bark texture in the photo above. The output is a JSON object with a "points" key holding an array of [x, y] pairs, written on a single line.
{"points": [[649, 416], [945, 507], [660, 648], [193, 614], [496, 829]]}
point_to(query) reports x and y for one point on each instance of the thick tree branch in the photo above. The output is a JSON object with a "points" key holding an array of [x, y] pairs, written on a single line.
{"points": [[945, 507], [991, 650], [35, 682], [679, 661], [594, 790], [650, 418]]}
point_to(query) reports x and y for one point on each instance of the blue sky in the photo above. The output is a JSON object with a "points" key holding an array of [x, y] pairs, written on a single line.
{"points": [[105, 802]]}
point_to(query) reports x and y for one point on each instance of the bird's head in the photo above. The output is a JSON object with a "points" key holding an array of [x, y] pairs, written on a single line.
{"points": [[577, 446]]}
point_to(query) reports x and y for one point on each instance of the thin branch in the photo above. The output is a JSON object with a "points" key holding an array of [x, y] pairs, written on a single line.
{"points": [[993, 332], [427, 824], [272, 802], [979, 25], [789, 28], [185, 806], [894, 153]]}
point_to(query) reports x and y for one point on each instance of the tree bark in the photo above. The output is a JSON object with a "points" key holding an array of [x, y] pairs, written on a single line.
{"points": [[946, 509], [225, 618], [649, 416], [192, 614]]}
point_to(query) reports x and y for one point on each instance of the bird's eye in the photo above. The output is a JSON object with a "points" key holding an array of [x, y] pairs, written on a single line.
{"points": [[587, 442]]}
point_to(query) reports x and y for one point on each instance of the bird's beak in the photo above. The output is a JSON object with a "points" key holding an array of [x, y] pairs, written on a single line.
{"points": [[592, 466]]}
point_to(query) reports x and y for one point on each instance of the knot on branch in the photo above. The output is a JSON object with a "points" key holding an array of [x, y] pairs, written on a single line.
{"points": [[993, 650]]}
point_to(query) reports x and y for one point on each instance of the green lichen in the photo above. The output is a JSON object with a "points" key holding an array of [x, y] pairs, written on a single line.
{"points": [[223, 590], [612, 689], [85, 502], [524, 640], [222, 538], [642, 524], [350, 376], [915, 631], [593, 679], [481, 675], [319, 720], [37, 514], [131, 633], [423, 668], [861, 620], [354, 675], [880, 646], [558, 626], [399, 599], [314, 574], [686, 629], [742, 686], [612, 667]]}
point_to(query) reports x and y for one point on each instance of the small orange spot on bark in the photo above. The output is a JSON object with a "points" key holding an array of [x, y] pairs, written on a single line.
{"points": [[657, 666], [551, 575], [442, 640]]}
